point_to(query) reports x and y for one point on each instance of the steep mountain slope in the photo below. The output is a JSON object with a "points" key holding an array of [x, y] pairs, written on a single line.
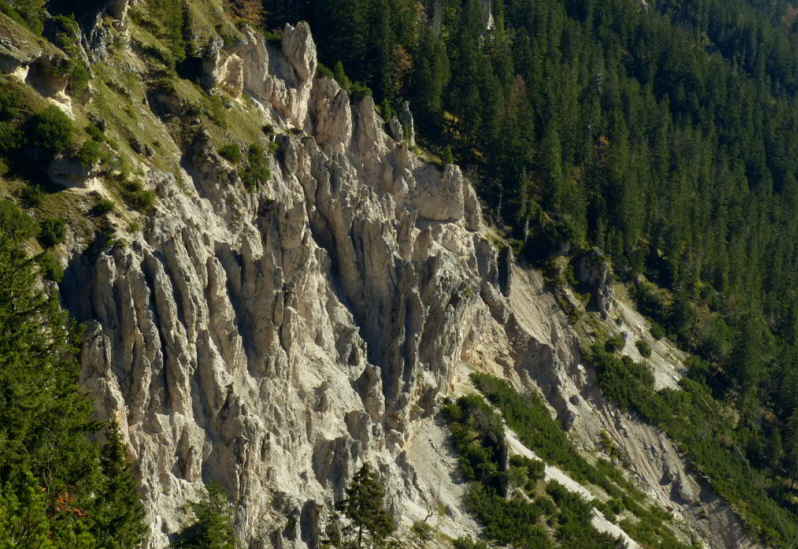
{"points": [[271, 333], [267, 339]]}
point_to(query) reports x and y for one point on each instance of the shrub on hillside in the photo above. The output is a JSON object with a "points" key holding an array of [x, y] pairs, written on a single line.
{"points": [[322, 71], [9, 104], [52, 232], [33, 195], [256, 171], [11, 138], [360, 91], [615, 343], [208, 522], [103, 207], [643, 347], [49, 129], [50, 266], [231, 153], [27, 12], [423, 530], [89, 154], [138, 197], [657, 331]]}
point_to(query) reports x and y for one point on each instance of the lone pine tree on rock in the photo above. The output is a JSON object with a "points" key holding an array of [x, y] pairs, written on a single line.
{"points": [[369, 522]]}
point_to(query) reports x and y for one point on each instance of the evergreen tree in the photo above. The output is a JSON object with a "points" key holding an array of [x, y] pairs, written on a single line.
{"points": [[120, 520], [209, 522], [791, 447], [369, 523], [551, 167], [774, 451]]}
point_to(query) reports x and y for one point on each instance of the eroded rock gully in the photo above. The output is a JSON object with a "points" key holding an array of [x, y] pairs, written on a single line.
{"points": [[271, 340]]}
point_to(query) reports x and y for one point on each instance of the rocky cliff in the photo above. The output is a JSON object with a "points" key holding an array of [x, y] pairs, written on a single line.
{"points": [[272, 339]]}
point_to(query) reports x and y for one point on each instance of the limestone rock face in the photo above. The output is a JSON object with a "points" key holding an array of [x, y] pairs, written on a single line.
{"points": [[280, 79], [222, 69], [270, 341], [331, 115], [407, 121], [17, 51], [32, 60], [69, 172], [593, 271]]}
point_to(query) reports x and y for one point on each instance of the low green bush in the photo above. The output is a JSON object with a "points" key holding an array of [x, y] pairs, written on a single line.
{"points": [[216, 110], [11, 138], [478, 438], [50, 266], [643, 348], [534, 469], [360, 91], [141, 201], [137, 197], [95, 133], [256, 172], [52, 232], [574, 521], [423, 531], [231, 153], [323, 71], [50, 129], [9, 104], [615, 343], [468, 543], [89, 154], [657, 331], [27, 12], [103, 207], [513, 522], [32, 194], [273, 36]]}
